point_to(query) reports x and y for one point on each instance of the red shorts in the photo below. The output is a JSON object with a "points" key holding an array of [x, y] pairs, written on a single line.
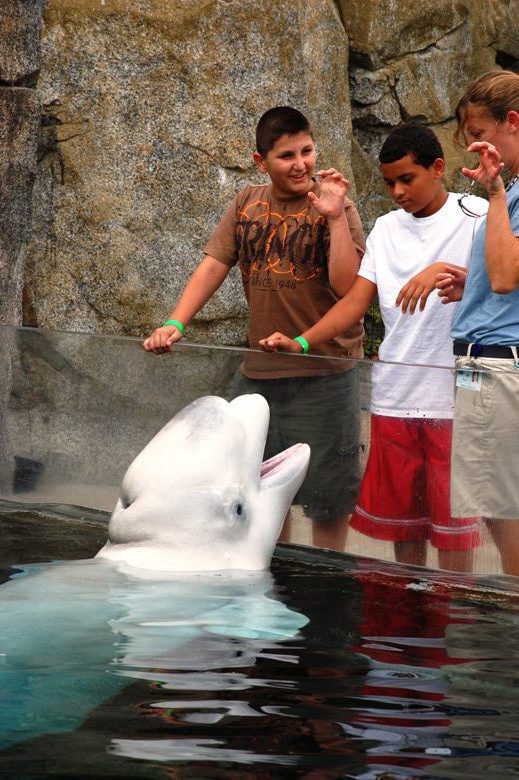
{"points": [[405, 491]]}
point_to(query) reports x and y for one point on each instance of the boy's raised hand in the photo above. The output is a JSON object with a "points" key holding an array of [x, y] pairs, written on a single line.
{"points": [[330, 201], [162, 339], [279, 342], [450, 284]]}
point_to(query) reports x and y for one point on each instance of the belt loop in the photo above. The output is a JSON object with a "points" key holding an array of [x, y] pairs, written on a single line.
{"points": [[514, 353], [469, 350]]}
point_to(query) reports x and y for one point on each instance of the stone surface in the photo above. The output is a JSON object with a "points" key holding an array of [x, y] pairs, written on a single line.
{"points": [[19, 121], [150, 111], [382, 30], [148, 126], [85, 405], [20, 23], [412, 61]]}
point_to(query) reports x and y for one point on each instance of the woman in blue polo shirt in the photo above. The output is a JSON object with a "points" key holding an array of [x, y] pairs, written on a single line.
{"points": [[485, 454]]}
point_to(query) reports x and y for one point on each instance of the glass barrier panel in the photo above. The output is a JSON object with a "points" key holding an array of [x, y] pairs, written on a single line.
{"points": [[75, 410]]}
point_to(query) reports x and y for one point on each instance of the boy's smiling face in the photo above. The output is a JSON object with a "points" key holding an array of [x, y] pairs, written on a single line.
{"points": [[416, 189], [290, 164]]}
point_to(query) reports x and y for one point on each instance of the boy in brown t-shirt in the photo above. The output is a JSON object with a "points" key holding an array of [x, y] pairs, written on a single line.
{"points": [[298, 244]]}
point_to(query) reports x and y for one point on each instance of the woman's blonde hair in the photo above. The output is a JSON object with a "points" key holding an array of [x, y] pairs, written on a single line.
{"points": [[496, 92]]}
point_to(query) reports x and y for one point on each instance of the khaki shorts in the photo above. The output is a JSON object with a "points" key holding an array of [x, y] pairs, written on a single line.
{"points": [[485, 444]]}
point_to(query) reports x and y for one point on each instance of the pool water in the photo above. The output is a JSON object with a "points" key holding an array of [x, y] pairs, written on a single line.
{"points": [[334, 668]]}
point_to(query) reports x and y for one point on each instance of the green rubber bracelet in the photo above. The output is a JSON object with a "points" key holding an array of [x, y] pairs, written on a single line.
{"points": [[176, 323], [304, 343]]}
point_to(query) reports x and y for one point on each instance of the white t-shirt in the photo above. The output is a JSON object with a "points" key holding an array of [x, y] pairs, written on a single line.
{"points": [[399, 246]]}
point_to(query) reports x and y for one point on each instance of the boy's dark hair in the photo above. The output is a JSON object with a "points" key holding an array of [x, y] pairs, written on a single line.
{"points": [[282, 120], [413, 139]]}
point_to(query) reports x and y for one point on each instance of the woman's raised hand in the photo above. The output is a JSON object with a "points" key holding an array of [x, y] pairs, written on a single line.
{"points": [[488, 172]]}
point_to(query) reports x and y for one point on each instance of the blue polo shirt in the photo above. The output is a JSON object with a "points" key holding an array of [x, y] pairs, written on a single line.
{"points": [[483, 316]]}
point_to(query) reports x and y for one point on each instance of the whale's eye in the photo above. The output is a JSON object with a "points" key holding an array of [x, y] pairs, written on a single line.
{"points": [[239, 510]]}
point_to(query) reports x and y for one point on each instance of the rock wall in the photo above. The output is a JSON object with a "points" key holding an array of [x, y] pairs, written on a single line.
{"points": [[148, 120], [20, 22], [150, 110], [411, 60]]}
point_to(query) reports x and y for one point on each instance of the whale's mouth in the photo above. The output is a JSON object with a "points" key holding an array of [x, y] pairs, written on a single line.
{"points": [[285, 465]]}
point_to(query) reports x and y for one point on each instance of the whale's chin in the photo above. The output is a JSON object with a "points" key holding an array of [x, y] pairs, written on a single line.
{"points": [[145, 558]]}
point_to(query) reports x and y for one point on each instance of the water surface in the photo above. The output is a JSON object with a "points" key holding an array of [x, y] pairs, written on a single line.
{"points": [[385, 677]]}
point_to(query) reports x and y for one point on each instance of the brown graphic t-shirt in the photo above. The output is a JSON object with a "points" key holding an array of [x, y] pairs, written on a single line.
{"points": [[282, 248]]}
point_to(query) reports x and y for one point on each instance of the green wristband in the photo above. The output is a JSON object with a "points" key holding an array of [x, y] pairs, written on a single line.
{"points": [[176, 323], [304, 343]]}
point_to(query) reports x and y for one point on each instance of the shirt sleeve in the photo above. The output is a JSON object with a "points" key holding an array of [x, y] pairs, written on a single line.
{"points": [[222, 243], [355, 225], [368, 268]]}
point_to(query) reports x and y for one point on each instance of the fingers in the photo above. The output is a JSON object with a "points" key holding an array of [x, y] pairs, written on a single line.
{"points": [[423, 298], [458, 273], [330, 199], [450, 284], [404, 296], [443, 281], [482, 146], [175, 336], [161, 339], [328, 172], [279, 342], [401, 294], [271, 343], [332, 173], [469, 173], [490, 164], [408, 297], [487, 153], [407, 300], [413, 295], [448, 291], [449, 295], [419, 295]]}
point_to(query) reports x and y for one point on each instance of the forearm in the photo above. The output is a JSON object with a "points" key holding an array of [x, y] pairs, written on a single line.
{"points": [[344, 315], [501, 246], [202, 284], [344, 260]]}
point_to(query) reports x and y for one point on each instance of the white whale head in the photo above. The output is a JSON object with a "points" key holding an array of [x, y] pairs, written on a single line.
{"points": [[199, 498]]}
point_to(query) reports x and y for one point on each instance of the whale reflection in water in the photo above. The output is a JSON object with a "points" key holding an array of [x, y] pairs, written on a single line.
{"points": [[73, 635]]}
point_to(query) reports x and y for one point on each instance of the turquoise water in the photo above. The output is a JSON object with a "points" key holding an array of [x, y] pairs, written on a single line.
{"points": [[331, 669]]}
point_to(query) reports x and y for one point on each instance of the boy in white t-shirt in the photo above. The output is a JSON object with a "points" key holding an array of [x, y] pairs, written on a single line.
{"points": [[404, 496]]}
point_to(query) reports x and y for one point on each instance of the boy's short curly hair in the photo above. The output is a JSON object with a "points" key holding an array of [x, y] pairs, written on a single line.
{"points": [[413, 139], [278, 121]]}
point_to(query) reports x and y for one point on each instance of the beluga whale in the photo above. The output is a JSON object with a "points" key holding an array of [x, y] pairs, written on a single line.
{"points": [[180, 584], [199, 497]]}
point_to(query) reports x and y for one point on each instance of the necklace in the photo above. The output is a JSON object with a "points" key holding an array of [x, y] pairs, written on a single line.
{"points": [[511, 182]]}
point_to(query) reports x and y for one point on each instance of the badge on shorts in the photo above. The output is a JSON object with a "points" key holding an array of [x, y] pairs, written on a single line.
{"points": [[469, 378]]}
